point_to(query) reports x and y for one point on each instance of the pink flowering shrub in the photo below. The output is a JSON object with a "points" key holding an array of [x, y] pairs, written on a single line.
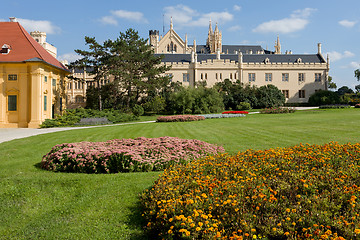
{"points": [[125, 155], [180, 118], [235, 112]]}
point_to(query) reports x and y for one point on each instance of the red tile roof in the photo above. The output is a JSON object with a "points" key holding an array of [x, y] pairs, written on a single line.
{"points": [[23, 48]]}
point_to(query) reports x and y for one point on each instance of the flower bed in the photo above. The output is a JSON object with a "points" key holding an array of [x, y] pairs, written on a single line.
{"points": [[235, 112], [277, 110], [334, 106], [209, 116], [125, 155], [300, 192], [179, 118]]}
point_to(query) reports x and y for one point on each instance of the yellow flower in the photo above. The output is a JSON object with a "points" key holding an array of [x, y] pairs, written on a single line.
{"points": [[274, 229], [198, 229], [253, 230], [286, 233], [287, 210], [170, 231], [357, 231], [200, 224]]}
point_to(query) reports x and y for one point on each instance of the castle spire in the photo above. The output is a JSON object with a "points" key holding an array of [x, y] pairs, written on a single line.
{"points": [[171, 23], [210, 27], [277, 46], [216, 28]]}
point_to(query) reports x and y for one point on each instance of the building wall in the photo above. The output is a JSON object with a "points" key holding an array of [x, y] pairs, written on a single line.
{"points": [[39, 93], [213, 71]]}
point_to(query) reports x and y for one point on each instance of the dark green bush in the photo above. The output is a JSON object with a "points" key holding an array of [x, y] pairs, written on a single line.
{"points": [[138, 110], [324, 97], [269, 96], [243, 106]]}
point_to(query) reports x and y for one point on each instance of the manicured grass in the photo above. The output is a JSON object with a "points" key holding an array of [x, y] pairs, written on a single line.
{"points": [[36, 204]]}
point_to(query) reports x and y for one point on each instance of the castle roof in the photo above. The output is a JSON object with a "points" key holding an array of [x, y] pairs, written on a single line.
{"points": [[248, 58], [18, 46]]}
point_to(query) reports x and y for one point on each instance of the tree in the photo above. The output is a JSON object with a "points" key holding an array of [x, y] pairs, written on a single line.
{"points": [[136, 71], [343, 90], [331, 84], [324, 97], [270, 96], [357, 88], [357, 74], [95, 59]]}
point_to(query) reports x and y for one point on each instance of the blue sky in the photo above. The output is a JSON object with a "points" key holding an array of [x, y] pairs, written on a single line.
{"points": [[299, 24]]}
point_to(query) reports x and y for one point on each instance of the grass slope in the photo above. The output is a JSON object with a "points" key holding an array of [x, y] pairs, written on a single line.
{"points": [[36, 204]]}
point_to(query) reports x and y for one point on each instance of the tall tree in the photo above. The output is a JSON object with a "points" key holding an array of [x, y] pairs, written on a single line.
{"points": [[96, 60], [137, 71], [357, 74], [130, 61], [331, 84]]}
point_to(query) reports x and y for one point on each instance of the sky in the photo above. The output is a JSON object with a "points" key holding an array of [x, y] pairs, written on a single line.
{"points": [[300, 25]]}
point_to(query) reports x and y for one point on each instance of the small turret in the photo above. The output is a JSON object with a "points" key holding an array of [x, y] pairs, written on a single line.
{"points": [[154, 39]]}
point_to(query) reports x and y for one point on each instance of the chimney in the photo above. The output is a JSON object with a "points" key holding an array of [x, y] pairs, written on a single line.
{"points": [[319, 48], [13, 19]]}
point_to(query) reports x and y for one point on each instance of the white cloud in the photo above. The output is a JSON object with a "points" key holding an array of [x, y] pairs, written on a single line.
{"points": [[296, 22], [39, 25], [347, 23], [237, 8], [185, 16], [123, 14], [355, 65], [335, 56], [234, 28], [70, 57], [109, 20]]}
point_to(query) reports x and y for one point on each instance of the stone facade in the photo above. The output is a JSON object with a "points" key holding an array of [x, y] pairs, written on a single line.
{"points": [[297, 75]]}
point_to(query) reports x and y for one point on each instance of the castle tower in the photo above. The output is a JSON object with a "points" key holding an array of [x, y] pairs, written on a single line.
{"points": [[154, 39], [40, 37], [217, 44], [210, 36], [277, 46]]}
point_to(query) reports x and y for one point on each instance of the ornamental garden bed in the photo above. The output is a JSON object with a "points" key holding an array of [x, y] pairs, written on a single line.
{"points": [[180, 118], [210, 116], [235, 112], [300, 192], [125, 155]]}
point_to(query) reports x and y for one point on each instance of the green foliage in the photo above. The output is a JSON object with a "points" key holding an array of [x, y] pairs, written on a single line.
{"points": [[277, 110], [324, 97], [72, 117], [269, 96], [200, 100], [331, 84], [132, 63], [344, 90], [243, 106], [334, 106], [357, 74], [138, 110], [155, 105]]}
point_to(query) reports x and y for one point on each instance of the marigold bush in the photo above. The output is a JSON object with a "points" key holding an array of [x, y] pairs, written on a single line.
{"points": [[300, 192], [125, 155], [180, 118]]}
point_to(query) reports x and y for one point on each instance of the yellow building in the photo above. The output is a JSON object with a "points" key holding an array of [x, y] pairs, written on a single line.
{"points": [[31, 80]]}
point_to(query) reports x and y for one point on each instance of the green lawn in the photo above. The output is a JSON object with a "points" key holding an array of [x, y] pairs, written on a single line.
{"points": [[36, 204]]}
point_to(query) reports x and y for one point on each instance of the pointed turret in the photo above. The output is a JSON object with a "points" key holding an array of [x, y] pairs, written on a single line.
{"points": [[277, 46], [171, 23]]}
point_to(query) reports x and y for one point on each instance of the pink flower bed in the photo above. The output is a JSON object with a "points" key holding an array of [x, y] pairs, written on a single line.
{"points": [[180, 118], [126, 155], [235, 112]]}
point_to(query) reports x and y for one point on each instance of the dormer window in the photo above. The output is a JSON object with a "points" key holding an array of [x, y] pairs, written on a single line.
{"points": [[5, 49], [299, 60], [267, 60]]}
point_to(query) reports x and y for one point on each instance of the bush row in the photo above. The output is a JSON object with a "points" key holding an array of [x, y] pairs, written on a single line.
{"points": [[334, 106], [125, 155], [300, 192], [73, 117], [277, 110], [180, 118]]}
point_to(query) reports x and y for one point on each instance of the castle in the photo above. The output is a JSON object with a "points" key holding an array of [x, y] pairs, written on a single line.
{"points": [[297, 75]]}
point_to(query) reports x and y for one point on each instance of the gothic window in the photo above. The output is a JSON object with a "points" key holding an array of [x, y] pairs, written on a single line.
{"points": [[171, 47]]}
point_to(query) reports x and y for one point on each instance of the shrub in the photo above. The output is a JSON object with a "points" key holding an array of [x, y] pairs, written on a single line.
{"points": [[138, 110], [277, 110], [243, 106], [300, 192], [72, 117], [334, 106], [209, 116], [269, 96], [180, 118], [93, 121], [155, 105], [125, 155], [323, 97], [235, 112]]}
